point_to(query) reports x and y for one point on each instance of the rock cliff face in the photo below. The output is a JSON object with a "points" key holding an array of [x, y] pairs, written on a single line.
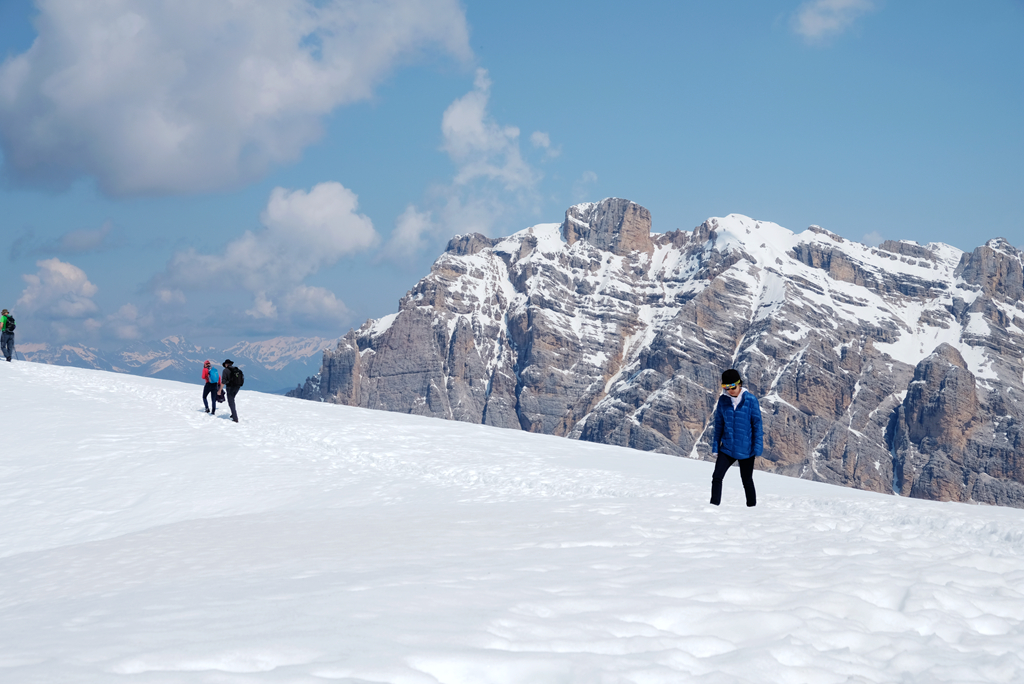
{"points": [[897, 369]]}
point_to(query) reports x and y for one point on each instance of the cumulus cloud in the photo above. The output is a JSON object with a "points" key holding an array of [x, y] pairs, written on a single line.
{"points": [[322, 223], [303, 233], [57, 305], [491, 177], [171, 96], [820, 20], [58, 290]]}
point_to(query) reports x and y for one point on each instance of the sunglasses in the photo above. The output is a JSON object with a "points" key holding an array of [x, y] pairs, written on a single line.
{"points": [[731, 387]]}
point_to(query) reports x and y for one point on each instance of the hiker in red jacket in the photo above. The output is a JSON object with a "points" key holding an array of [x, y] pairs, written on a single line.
{"points": [[212, 386]]}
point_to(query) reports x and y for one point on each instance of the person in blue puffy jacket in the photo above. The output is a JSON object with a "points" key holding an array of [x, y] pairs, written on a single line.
{"points": [[738, 435]]}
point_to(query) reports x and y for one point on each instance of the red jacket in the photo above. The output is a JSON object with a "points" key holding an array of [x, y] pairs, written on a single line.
{"points": [[210, 375]]}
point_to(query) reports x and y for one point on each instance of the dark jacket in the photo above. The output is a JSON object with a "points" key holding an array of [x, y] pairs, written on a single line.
{"points": [[738, 431]]}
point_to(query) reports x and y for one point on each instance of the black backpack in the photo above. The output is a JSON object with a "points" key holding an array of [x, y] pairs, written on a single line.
{"points": [[9, 324], [236, 378]]}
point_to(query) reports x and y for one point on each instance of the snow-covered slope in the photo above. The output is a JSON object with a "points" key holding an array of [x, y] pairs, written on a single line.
{"points": [[142, 540], [896, 368]]}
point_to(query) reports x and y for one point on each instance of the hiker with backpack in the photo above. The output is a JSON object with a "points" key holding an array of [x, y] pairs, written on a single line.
{"points": [[233, 378], [7, 334], [212, 386]]}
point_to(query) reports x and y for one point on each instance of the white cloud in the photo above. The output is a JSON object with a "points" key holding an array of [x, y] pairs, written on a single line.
{"points": [[408, 237], [58, 306], [262, 307], [81, 241], [873, 239], [581, 188], [58, 290], [315, 305], [542, 141], [479, 145], [125, 324], [491, 181], [473, 213], [820, 20], [304, 233], [167, 96], [166, 296], [322, 223]]}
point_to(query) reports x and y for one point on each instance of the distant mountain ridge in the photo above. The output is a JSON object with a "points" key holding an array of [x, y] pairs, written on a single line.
{"points": [[893, 369], [272, 365]]}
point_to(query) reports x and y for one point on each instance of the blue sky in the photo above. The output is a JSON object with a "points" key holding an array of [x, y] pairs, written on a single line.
{"points": [[244, 170]]}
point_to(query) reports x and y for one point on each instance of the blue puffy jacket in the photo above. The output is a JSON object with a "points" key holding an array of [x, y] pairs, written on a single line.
{"points": [[738, 431]]}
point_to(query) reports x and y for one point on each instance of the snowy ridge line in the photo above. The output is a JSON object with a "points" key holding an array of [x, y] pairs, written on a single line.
{"points": [[270, 365]]}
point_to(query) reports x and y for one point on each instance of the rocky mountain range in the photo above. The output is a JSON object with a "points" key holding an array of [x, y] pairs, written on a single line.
{"points": [[272, 365], [895, 369]]}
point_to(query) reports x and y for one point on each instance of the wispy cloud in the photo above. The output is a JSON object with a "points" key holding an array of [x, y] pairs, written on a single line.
{"points": [[165, 96], [479, 145], [581, 187], [492, 179], [81, 241], [411, 231], [873, 239], [819, 20], [73, 242], [541, 140]]}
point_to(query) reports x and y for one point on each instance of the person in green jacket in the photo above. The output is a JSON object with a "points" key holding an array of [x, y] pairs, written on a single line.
{"points": [[7, 334]]}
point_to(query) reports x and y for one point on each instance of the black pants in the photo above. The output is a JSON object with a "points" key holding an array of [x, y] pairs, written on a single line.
{"points": [[746, 474], [7, 344], [232, 391], [210, 389]]}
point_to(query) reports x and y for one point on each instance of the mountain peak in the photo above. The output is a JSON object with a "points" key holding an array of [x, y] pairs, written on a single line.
{"points": [[609, 342], [613, 224]]}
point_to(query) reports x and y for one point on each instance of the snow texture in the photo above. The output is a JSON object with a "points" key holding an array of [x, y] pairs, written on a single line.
{"points": [[142, 540]]}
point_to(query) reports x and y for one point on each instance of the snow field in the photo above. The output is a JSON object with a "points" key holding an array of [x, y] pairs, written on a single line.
{"points": [[142, 540]]}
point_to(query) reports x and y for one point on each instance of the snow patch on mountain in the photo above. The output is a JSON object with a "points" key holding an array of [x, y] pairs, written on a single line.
{"points": [[278, 352]]}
